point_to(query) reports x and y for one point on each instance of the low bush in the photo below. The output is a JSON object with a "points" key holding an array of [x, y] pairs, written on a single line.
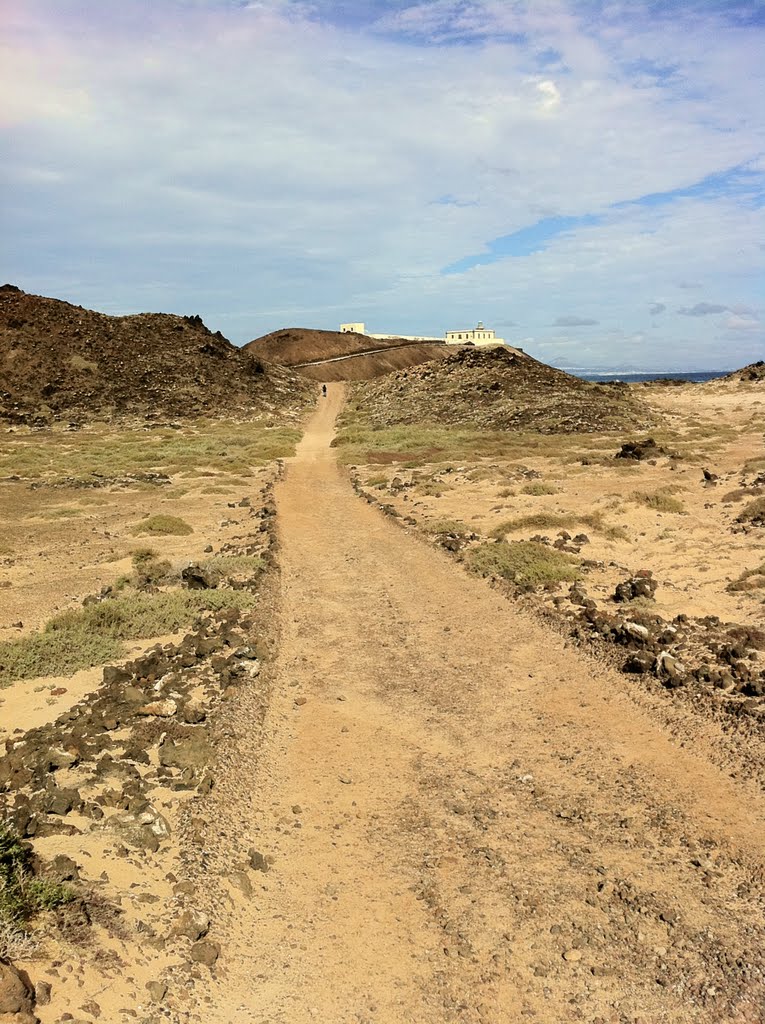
{"points": [[441, 527], [753, 513], [233, 565], [22, 895], [751, 579], [659, 501], [539, 488], [162, 526], [523, 562], [561, 521]]}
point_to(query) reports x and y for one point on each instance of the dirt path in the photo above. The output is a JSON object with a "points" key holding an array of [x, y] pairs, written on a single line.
{"points": [[469, 822]]}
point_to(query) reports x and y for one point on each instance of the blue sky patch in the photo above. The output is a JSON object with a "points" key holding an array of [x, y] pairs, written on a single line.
{"points": [[524, 242], [736, 182]]}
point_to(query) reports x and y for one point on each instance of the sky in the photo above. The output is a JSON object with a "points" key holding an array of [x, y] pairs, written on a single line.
{"points": [[584, 176]]}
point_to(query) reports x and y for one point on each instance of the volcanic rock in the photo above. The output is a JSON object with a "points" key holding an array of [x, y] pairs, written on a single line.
{"points": [[62, 362], [496, 388]]}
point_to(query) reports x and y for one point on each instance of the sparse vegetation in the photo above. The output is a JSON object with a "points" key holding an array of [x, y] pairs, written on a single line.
{"points": [[162, 526], [659, 501], [442, 527], [83, 637], [539, 488], [63, 512], [22, 895], [234, 565], [150, 570], [523, 562], [753, 513], [418, 444], [96, 456], [560, 521]]}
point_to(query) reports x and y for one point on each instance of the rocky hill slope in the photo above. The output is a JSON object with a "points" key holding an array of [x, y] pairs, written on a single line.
{"points": [[754, 373], [501, 389], [63, 362]]}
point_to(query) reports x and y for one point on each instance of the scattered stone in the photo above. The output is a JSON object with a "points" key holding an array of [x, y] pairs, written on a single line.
{"points": [[205, 952], [43, 991], [260, 861], [157, 990], [159, 708], [241, 881], [194, 924], [16, 996]]}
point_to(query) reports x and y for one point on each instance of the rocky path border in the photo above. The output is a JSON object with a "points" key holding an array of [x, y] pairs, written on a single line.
{"points": [[128, 764], [709, 666]]}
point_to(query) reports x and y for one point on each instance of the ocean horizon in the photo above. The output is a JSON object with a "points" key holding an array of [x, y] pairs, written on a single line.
{"points": [[638, 376]]}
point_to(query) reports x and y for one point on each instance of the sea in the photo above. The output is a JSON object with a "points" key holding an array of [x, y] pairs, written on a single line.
{"points": [[636, 376]]}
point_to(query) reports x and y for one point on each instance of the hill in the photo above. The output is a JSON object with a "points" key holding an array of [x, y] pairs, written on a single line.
{"points": [[754, 373], [63, 362], [336, 355], [497, 388]]}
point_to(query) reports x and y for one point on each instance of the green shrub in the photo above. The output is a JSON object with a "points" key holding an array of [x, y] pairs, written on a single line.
{"points": [[524, 562], [21, 894], [162, 526]]}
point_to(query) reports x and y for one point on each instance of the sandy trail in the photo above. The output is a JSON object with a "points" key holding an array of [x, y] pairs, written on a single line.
{"points": [[469, 821]]}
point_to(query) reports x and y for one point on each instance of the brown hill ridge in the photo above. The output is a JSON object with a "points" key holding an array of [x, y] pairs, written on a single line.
{"points": [[64, 362], [754, 373], [336, 355], [501, 389]]}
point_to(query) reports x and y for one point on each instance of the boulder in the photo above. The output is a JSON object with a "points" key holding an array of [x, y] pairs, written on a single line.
{"points": [[196, 577], [191, 751], [205, 952], [639, 663], [193, 924], [639, 450], [16, 996]]}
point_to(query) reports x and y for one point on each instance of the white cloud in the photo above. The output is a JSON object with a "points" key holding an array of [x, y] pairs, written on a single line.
{"points": [[574, 321], [702, 309], [740, 323], [236, 159]]}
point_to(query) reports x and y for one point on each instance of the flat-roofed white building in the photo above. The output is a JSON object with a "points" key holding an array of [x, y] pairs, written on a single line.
{"points": [[359, 328], [479, 335]]}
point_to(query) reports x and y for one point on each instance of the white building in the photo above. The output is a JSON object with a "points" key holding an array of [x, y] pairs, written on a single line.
{"points": [[479, 335], [359, 328]]}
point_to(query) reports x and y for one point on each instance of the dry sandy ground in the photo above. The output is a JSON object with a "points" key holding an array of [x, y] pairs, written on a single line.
{"points": [[694, 553], [466, 820], [59, 544]]}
